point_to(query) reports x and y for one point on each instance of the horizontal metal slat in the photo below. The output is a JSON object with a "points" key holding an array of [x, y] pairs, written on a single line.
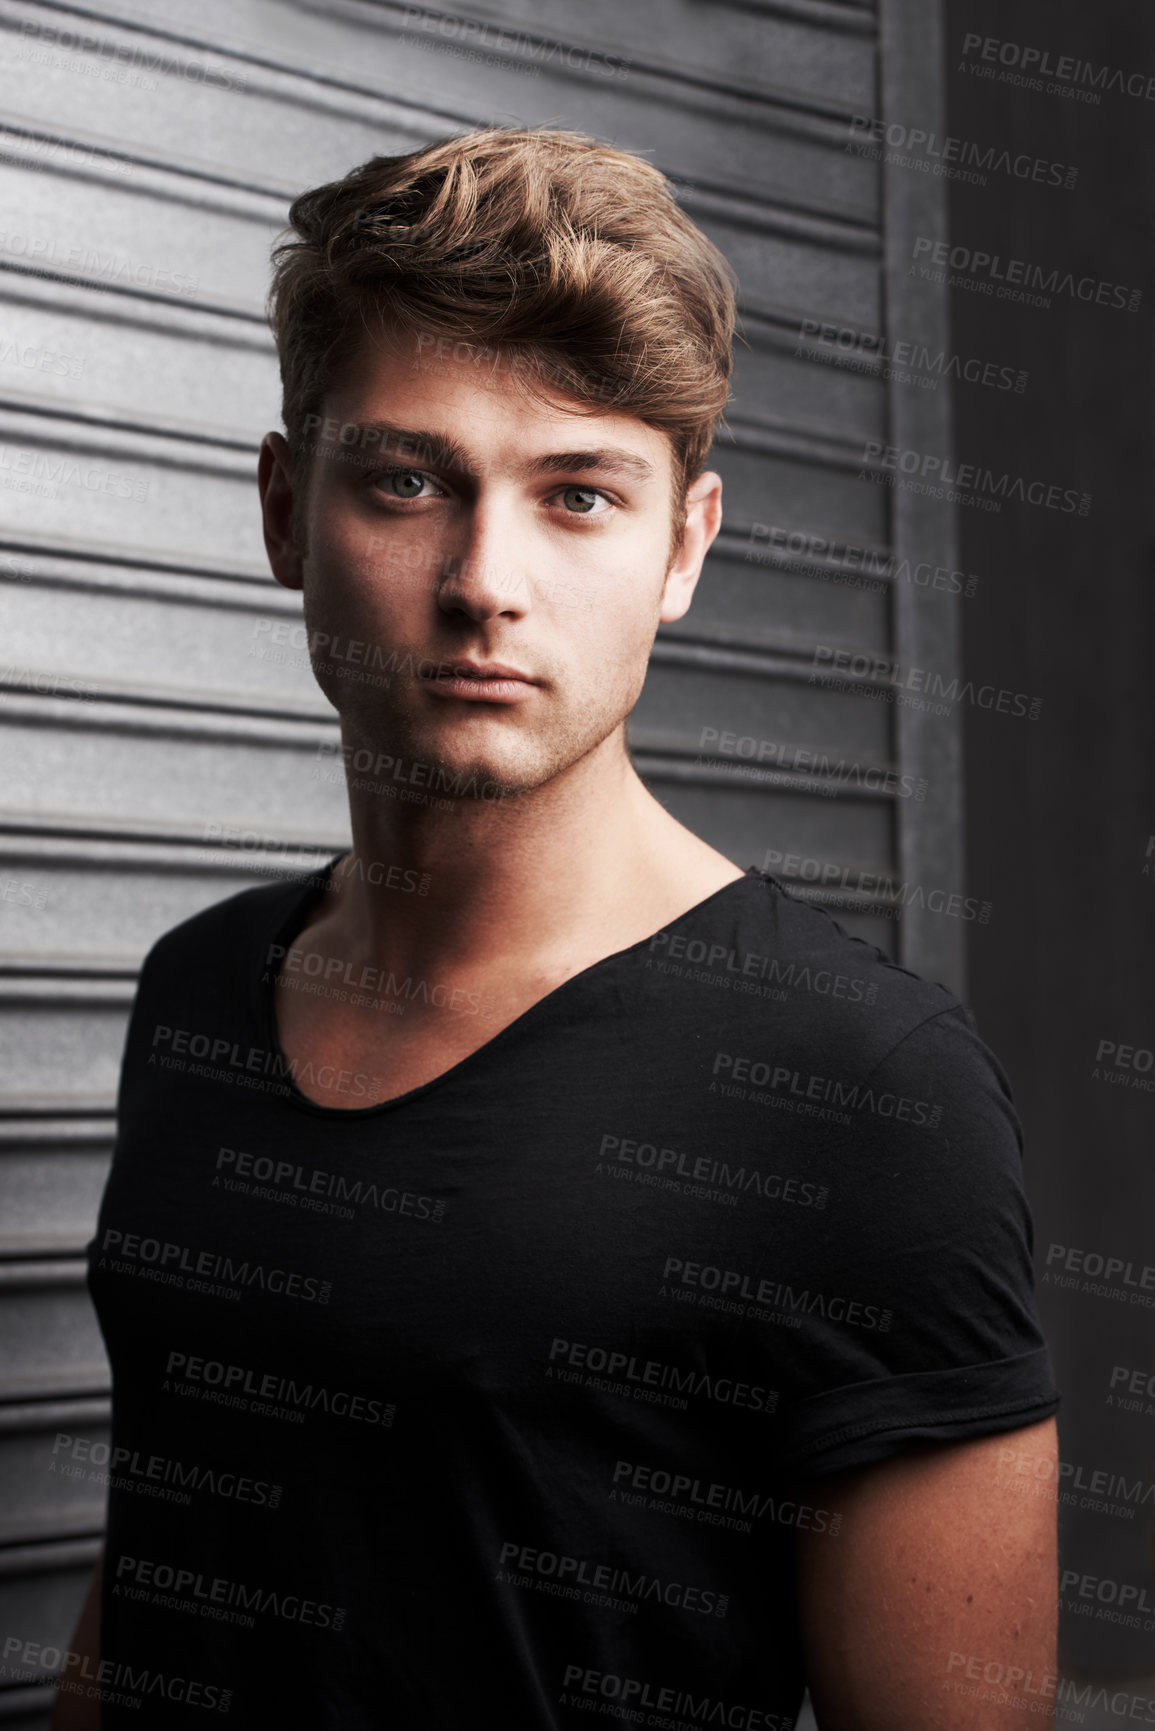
{"points": [[21, 1416], [48, 1558], [53, 1134], [856, 16], [126, 845]]}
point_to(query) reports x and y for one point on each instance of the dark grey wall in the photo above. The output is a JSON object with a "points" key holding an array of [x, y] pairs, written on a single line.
{"points": [[1060, 811]]}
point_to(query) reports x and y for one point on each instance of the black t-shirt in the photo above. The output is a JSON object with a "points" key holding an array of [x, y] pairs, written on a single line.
{"points": [[486, 1404]]}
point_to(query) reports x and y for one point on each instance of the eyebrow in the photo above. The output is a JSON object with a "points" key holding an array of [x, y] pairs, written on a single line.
{"points": [[446, 453], [611, 460], [388, 440]]}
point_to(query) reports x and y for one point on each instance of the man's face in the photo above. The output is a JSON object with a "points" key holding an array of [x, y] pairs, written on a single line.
{"points": [[483, 526]]}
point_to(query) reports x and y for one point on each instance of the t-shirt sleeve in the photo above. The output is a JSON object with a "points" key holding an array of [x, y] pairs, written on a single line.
{"points": [[927, 1244]]}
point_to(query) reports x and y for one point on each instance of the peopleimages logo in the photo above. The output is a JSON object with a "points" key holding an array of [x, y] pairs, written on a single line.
{"points": [[1018, 279], [754, 1290], [114, 1680], [664, 1703], [34, 358], [881, 676], [1140, 1400], [45, 251], [633, 1589], [210, 1591], [838, 562], [925, 150], [53, 469], [220, 1052], [969, 482], [120, 57], [1082, 1270], [435, 777], [1134, 1605], [888, 894], [992, 1679], [369, 979], [843, 1095], [1070, 1482], [288, 1176], [703, 1500], [170, 1263], [155, 1474], [651, 1379], [856, 350], [1064, 69], [475, 34], [801, 760], [751, 963], [1124, 1066], [29, 895], [704, 1169], [268, 1392]]}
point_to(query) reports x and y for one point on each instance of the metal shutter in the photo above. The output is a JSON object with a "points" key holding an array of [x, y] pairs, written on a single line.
{"points": [[154, 764]]}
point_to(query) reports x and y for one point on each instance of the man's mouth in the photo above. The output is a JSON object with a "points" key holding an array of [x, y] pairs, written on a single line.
{"points": [[484, 681], [484, 670]]}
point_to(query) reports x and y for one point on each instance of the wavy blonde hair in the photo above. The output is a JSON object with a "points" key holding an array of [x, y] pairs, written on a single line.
{"points": [[547, 245]]}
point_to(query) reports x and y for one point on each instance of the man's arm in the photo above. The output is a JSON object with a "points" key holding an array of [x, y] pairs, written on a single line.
{"points": [[80, 1712], [935, 1607]]}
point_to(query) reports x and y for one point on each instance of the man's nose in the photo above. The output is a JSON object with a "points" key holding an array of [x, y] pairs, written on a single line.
{"points": [[479, 577]]}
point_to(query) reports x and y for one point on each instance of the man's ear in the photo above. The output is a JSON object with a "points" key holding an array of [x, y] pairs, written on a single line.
{"points": [[275, 482], [703, 520]]}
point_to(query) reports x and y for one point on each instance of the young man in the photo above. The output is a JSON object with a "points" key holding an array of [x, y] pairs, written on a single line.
{"points": [[508, 1326]]}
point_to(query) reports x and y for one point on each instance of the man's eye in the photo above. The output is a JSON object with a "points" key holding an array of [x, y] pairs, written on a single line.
{"points": [[581, 500], [402, 483]]}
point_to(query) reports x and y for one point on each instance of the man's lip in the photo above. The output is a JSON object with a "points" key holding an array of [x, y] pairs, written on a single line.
{"points": [[479, 670]]}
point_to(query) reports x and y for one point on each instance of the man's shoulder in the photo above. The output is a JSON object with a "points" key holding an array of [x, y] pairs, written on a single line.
{"points": [[794, 975], [225, 929]]}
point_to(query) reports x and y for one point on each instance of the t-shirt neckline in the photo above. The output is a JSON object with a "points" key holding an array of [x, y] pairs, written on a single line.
{"points": [[292, 923]]}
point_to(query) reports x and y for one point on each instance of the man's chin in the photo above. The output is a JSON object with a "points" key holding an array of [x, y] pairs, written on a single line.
{"points": [[469, 777]]}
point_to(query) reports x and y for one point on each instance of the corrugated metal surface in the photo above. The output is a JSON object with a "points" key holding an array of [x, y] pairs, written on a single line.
{"points": [[147, 155]]}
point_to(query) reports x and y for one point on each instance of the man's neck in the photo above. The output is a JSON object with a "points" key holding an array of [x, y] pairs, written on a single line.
{"points": [[546, 881]]}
